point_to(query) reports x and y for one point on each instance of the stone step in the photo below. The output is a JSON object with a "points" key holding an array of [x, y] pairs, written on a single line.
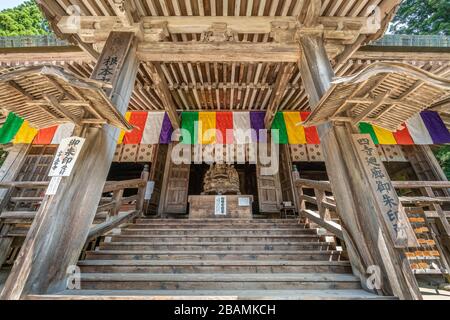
{"points": [[216, 220], [213, 266], [218, 231], [214, 246], [290, 255], [211, 238], [215, 225], [218, 281], [351, 294]]}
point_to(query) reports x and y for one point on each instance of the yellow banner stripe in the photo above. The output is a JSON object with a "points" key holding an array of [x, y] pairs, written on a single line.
{"points": [[25, 134], [123, 132], [207, 121], [296, 133], [384, 136]]}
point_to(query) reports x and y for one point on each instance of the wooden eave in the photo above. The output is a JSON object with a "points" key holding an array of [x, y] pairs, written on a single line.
{"points": [[221, 55], [385, 94], [222, 86], [48, 95], [345, 24]]}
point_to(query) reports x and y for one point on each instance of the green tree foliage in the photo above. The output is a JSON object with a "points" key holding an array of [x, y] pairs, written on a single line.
{"points": [[23, 20], [443, 156], [422, 17], [426, 17]]}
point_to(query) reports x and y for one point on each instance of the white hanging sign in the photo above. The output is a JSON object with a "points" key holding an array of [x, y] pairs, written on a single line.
{"points": [[149, 190], [66, 157], [53, 186], [221, 206]]}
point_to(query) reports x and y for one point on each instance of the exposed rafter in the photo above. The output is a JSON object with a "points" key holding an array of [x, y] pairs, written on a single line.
{"points": [[284, 74], [163, 92]]}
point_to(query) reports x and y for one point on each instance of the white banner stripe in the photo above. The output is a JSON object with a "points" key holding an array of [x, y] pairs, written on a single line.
{"points": [[418, 130], [153, 128], [64, 131], [241, 124]]}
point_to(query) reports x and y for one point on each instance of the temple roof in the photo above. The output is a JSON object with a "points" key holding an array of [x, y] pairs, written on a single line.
{"points": [[49, 95]]}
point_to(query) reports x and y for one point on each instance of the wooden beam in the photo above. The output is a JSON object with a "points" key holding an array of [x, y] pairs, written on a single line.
{"points": [[17, 88], [122, 9], [61, 227], [61, 109], [201, 24], [283, 77], [365, 233], [162, 89], [379, 101], [43, 55], [224, 52]]}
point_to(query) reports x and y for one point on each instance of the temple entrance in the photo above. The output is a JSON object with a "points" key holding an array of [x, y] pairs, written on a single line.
{"points": [[247, 181]]}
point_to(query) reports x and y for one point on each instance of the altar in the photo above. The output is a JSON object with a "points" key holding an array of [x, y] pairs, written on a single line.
{"points": [[220, 206], [221, 196]]}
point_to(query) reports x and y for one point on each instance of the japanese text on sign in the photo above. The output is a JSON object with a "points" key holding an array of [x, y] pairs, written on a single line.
{"points": [[66, 157], [107, 68], [391, 209]]}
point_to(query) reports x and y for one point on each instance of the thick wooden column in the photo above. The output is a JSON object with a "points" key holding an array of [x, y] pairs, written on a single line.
{"points": [[365, 234], [62, 224]]}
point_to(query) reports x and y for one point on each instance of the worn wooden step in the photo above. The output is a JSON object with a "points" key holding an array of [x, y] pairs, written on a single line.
{"points": [[213, 266], [214, 246], [217, 281], [216, 220], [215, 225], [217, 232], [351, 294], [215, 238], [291, 255]]}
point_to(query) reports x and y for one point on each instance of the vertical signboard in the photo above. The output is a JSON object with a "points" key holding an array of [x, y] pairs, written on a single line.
{"points": [[391, 210], [66, 157]]}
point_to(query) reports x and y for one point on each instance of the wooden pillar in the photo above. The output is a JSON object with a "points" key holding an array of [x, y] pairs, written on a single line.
{"points": [[62, 224], [365, 234]]}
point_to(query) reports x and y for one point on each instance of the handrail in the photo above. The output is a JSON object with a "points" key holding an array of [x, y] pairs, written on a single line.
{"points": [[108, 208], [24, 184], [325, 203], [421, 184], [315, 184], [322, 201]]}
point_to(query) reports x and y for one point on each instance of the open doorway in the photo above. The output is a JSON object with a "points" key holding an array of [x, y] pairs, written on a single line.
{"points": [[247, 180]]}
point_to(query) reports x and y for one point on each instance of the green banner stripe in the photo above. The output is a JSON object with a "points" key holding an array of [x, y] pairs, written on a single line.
{"points": [[367, 128], [9, 130], [279, 124], [188, 120]]}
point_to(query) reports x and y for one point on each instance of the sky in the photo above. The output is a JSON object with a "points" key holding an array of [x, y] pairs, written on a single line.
{"points": [[5, 4]]}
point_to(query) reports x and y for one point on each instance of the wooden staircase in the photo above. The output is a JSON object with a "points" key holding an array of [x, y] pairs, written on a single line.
{"points": [[200, 259]]}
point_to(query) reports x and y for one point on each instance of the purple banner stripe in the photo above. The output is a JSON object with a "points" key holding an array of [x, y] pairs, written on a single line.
{"points": [[257, 123], [166, 131], [436, 127]]}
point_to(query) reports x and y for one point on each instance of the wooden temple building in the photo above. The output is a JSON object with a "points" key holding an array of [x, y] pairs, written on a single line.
{"points": [[94, 204]]}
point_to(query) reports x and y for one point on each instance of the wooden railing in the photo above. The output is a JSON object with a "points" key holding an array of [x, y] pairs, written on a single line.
{"points": [[18, 212], [317, 204], [431, 195], [434, 194]]}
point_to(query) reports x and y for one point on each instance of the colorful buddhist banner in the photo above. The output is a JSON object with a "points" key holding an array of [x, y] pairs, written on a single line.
{"points": [[230, 128]]}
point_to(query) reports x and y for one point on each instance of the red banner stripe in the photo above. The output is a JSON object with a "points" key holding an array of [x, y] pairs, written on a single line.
{"points": [[312, 136], [138, 119], [45, 136]]}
